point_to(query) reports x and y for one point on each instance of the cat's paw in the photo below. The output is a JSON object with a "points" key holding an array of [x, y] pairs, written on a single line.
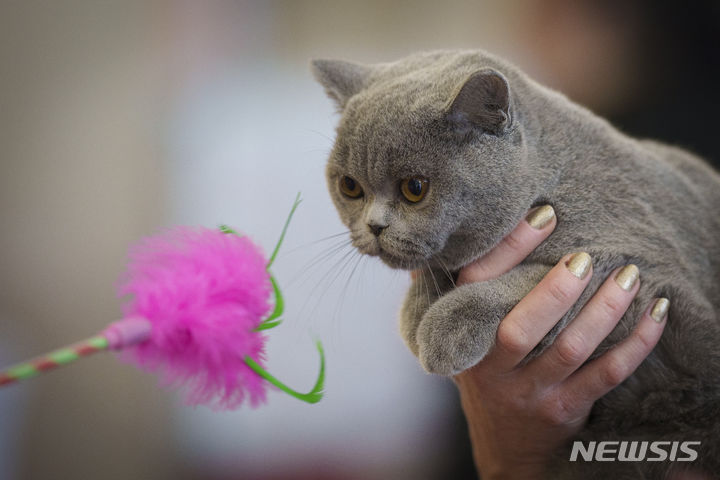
{"points": [[455, 333]]}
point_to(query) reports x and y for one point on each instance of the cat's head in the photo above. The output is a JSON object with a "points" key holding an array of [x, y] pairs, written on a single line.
{"points": [[429, 163]]}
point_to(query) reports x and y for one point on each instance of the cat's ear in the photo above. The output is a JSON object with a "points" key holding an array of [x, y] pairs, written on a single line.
{"points": [[482, 102], [341, 79]]}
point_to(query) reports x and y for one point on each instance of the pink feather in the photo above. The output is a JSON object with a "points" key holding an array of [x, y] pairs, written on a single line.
{"points": [[204, 291]]}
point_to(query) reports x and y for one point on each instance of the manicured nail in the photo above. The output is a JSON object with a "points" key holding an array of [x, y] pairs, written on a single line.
{"points": [[627, 277], [540, 217], [660, 309], [579, 264]]}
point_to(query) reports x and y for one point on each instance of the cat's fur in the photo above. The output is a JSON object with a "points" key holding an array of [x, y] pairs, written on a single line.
{"points": [[493, 143]]}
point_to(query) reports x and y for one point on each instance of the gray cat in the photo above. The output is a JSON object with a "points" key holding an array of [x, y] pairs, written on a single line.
{"points": [[439, 155]]}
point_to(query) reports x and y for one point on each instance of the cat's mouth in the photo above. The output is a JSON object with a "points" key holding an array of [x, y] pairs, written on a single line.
{"points": [[394, 256], [401, 258]]}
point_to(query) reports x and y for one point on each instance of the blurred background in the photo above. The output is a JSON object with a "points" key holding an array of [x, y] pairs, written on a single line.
{"points": [[117, 118]]}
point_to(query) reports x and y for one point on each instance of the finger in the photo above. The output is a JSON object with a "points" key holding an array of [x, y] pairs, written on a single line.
{"points": [[609, 370], [526, 324], [583, 335], [536, 227]]}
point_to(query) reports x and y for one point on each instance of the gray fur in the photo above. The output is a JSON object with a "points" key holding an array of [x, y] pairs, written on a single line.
{"points": [[493, 143]]}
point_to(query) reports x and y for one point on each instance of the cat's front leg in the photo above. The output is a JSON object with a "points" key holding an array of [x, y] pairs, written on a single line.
{"points": [[458, 330], [426, 288]]}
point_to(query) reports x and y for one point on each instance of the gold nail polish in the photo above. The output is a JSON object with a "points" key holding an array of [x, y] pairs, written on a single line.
{"points": [[660, 309], [540, 217], [627, 277], [579, 264]]}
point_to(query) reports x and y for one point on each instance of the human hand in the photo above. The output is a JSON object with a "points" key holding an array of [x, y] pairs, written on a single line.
{"points": [[518, 415]]}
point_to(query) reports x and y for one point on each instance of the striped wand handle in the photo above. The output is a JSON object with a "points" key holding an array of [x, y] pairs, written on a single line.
{"points": [[53, 360], [117, 335]]}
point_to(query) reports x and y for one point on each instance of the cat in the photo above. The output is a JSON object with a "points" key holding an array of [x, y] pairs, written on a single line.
{"points": [[439, 155]]}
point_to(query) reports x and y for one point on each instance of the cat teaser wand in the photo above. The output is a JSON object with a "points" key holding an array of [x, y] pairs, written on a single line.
{"points": [[199, 306]]}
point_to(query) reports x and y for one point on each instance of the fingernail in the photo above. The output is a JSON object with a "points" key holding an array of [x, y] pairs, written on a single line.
{"points": [[660, 309], [627, 277], [540, 217], [579, 264]]}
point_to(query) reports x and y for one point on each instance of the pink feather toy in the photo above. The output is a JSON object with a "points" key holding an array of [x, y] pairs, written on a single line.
{"points": [[199, 302]]}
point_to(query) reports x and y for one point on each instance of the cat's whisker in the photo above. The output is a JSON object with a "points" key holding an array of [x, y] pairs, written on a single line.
{"points": [[358, 261], [324, 150], [319, 259], [331, 140], [416, 294], [432, 275], [340, 298], [339, 268], [326, 280], [358, 285], [309, 269], [423, 279], [446, 270], [356, 258], [315, 242], [359, 291]]}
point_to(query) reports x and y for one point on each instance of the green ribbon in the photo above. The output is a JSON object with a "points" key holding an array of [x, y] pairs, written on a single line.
{"points": [[273, 320]]}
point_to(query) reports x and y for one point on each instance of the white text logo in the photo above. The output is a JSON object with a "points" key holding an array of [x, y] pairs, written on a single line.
{"points": [[634, 451]]}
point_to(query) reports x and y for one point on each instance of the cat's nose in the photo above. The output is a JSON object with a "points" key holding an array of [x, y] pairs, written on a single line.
{"points": [[376, 228]]}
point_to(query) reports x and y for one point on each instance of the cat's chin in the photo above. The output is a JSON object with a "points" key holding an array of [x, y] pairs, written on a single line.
{"points": [[400, 263]]}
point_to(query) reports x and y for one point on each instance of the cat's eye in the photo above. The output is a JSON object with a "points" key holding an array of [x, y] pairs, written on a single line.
{"points": [[414, 189], [350, 187]]}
